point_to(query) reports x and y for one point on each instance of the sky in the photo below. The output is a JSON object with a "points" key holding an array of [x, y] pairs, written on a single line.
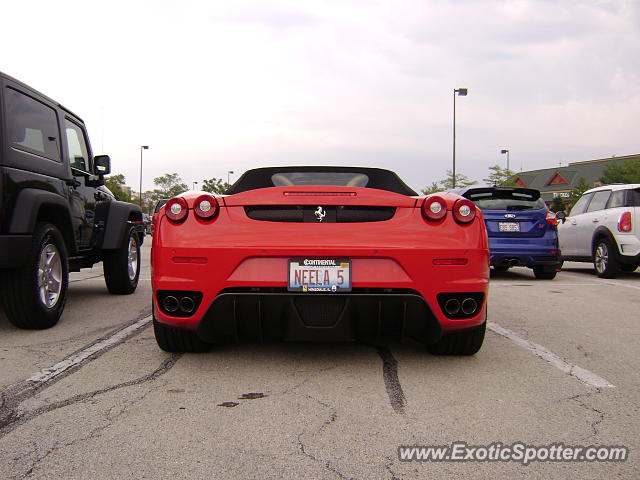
{"points": [[228, 85]]}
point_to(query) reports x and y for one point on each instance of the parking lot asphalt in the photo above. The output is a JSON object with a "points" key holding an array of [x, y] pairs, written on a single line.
{"points": [[94, 397]]}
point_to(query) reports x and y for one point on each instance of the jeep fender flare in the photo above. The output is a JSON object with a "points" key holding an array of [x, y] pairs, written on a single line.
{"points": [[33, 204], [601, 232], [118, 216]]}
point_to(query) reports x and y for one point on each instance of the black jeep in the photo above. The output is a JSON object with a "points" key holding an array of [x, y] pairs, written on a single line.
{"points": [[56, 216]]}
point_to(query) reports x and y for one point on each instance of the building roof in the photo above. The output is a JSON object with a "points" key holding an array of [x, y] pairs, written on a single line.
{"points": [[552, 180]]}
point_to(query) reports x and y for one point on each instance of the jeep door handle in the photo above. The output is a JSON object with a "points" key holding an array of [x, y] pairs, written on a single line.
{"points": [[73, 182], [595, 220]]}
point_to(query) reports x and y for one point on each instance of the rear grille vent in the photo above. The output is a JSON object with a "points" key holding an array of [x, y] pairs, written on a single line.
{"points": [[316, 214]]}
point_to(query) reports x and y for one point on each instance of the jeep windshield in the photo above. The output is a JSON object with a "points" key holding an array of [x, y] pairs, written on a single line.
{"points": [[505, 198], [320, 176]]}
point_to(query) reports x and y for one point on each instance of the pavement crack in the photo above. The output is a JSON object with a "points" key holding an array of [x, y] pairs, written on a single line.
{"points": [[388, 466], [13, 418], [600, 415], [326, 464], [333, 416], [313, 374]]}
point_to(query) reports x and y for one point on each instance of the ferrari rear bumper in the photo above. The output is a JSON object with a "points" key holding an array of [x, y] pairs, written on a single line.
{"points": [[311, 317]]}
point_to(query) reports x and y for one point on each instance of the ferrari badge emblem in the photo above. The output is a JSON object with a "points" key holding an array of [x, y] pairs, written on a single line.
{"points": [[320, 213]]}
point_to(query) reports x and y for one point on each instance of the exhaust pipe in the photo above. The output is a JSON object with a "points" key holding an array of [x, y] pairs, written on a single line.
{"points": [[452, 307], [170, 304], [469, 306], [187, 305]]}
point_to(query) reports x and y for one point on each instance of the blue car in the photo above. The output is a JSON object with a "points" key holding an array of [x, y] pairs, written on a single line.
{"points": [[522, 230]]}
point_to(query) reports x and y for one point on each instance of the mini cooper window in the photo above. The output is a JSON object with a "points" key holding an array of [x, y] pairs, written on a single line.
{"points": [[33, 126], [581, 205], [599, 200], [617, 199]]}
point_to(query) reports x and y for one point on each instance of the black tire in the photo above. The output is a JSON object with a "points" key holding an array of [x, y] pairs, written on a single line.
{"points": [[605, 259], [626, 267], [500, 268], [544, 273], [119, 278], [26, 296], [467, 342], [177, 340]]}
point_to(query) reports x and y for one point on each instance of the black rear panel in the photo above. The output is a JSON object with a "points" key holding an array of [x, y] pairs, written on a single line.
{"points": [[364, 314], [311, 214]]}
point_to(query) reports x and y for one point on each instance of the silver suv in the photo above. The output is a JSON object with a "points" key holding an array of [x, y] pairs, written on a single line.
{"points": [[603, 228]]}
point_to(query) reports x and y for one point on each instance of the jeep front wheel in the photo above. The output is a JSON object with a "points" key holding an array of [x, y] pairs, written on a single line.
{"points": [[122, 266], [34, 295]]}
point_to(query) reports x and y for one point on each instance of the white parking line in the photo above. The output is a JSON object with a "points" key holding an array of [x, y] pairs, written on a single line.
{"points": [[48, 373], [604, 282], [580, 373]]}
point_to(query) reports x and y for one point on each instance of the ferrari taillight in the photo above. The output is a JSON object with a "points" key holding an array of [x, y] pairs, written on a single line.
{"points": [[464, 211], [551, 218], [624, 223], [434, 208], [206, 207], [176, 209]]}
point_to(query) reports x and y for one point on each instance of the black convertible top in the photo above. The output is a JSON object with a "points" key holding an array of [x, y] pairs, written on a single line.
{"points": [[322, 176]]}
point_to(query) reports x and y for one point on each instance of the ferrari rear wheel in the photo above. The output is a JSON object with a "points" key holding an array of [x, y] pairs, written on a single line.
{"points": [[467, 342], [178, 340]]}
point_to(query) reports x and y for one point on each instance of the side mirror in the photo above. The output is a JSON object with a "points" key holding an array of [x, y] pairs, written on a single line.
{"points": [[561, 216], [102, 164]]}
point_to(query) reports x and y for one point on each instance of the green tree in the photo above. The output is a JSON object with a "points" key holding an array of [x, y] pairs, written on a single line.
{"points": [[447, 183], [169, 185], [500, 177], [557, 205], [433, 188], [629, 172], [115, 184], [461, 181], [577, 191], [215, 185]]}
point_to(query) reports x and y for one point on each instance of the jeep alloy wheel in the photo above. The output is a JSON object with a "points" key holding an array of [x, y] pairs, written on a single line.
{"points": [[49, 275]]}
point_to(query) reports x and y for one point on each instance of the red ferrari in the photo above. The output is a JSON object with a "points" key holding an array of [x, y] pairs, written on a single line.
{"points": [[320, 254]]}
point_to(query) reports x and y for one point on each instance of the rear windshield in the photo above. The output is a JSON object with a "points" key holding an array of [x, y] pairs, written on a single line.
{"points": [[506, 200], [341, 179], [320, 176]]}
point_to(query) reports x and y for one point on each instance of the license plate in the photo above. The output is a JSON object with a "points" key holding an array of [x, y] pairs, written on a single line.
{"points": [[319, 275], [508, 226]]}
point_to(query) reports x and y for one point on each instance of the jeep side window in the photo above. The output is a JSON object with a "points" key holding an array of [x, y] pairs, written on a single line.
{"points": [[599, 200], [77, 153], [33, 126], [581, 205]]}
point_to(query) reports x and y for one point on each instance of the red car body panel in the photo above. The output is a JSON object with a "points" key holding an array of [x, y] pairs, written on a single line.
{"points": [[405, 252]]}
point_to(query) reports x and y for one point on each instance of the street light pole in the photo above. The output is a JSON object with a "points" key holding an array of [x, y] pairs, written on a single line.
{"points": [[229, 173], [503, 151], [463, 93], [142, 147]]}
